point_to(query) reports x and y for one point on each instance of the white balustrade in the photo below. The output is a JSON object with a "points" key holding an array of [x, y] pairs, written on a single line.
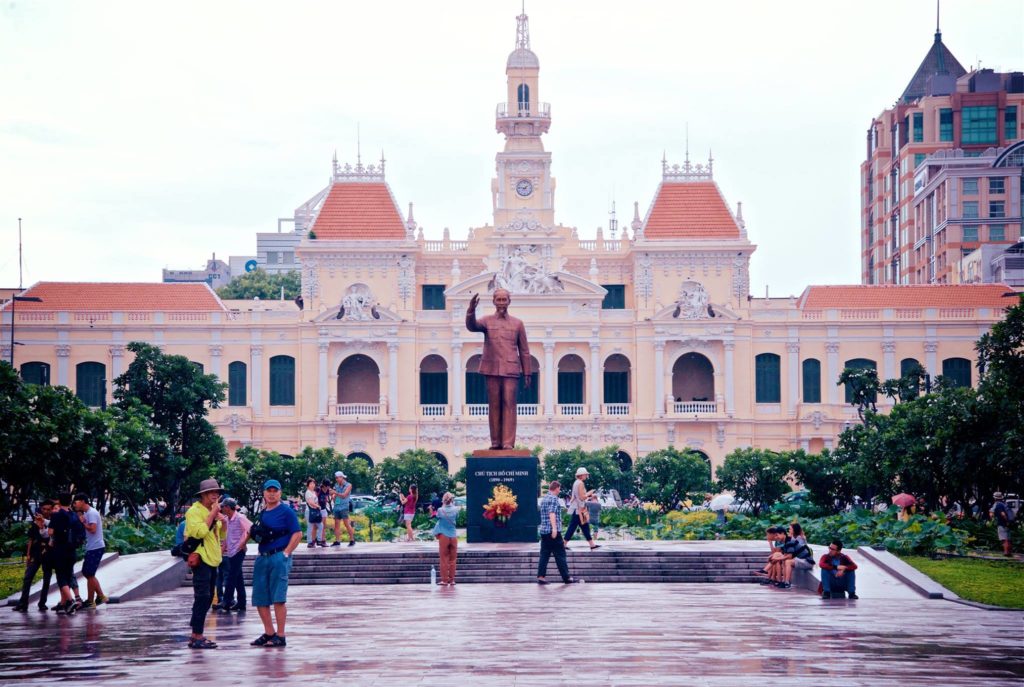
{"points": [[617, 409], [527, 409], [433, 410], [357, 409], [570, 408], [476, 409], [694, 407]]}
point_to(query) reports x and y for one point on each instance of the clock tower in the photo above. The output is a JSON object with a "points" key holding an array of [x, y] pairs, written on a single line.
{"points": [[524, 190]]}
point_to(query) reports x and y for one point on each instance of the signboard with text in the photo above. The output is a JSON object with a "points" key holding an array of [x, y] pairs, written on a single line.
{"points": [[520, 475]]}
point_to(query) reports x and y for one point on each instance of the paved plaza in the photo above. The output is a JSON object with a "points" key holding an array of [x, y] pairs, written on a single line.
{"points": [[610, 634]]}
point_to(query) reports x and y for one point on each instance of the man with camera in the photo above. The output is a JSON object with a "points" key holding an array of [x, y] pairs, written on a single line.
{"points": [[342, 492], [278, 533], [204, 525]]}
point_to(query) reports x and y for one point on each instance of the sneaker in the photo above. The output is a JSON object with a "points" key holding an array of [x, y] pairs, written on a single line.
{"points": [[202, 643], [542, 581], [277, 641], [89, 606], [262, 640], [42, 607], [826, 595], [765, 582], [571, 581], [61, 608], [71, 608], [78, 604], [337, 543], [20, 609], [784, 585], [352, 543], [311, 545], [323, 544], [853, 596], [102, 600], [238, 609]]}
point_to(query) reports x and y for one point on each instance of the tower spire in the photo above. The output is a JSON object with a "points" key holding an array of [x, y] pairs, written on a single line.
{"points": [[938, 31], [523, 30]]}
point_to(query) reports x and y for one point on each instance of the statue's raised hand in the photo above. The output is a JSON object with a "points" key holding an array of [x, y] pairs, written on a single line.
{"points": [[473, 302]]}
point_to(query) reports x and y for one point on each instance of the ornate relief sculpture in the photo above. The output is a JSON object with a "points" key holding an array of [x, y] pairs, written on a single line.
{"points": [[517, 276], [358, 304], [692, 303]]}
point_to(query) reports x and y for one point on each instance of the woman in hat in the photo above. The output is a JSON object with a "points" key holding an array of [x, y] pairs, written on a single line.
{"points": [[578, 509]]}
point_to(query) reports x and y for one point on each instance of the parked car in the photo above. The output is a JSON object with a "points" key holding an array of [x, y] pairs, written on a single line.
{"points": [[460, 502], [361, 502], [608, 498]]}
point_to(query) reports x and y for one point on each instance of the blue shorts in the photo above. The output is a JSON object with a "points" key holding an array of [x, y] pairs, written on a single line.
{"points": [[341, 513], [91, 563], [270, 579]]}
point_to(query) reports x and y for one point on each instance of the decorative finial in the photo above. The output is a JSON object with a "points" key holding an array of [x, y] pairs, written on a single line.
{"points": [[938, 31], [382, 161], [359, 148], [636, 216], [687, 143], [523, 30]]}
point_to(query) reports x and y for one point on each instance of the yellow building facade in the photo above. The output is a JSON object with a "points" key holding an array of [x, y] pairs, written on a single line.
{"points": [[642, 340]]}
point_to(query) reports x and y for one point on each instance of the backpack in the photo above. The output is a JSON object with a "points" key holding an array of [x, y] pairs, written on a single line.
{"points": [[76, 533]]}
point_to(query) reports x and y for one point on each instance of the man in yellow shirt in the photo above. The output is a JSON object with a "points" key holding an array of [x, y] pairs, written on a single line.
{"points": [[203, 521]]}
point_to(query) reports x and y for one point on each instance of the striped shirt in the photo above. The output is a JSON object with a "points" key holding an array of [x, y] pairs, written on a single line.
{"points": [[549, 504]]}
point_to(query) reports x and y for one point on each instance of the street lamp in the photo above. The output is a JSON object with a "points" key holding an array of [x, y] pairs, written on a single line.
{"points": [[14, 302]]}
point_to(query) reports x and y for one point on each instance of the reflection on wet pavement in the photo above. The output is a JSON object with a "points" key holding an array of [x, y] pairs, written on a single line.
{"points": [[611, 634]]}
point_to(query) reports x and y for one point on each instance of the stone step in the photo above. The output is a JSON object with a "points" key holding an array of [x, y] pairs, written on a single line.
{"points": [[529, 577]]}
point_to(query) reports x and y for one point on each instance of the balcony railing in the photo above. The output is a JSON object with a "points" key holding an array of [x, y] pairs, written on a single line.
{"points": [[570, 408], [617, 408], [523, 409], [433, 409], [513, 110], [527, 409], [694, 407], [358, 409], [476, 409]]}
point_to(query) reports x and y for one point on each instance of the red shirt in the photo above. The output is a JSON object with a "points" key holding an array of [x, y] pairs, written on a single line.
{"points": [[826, 562]]}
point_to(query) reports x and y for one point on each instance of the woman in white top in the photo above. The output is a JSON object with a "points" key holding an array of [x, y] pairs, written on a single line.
{"points": [[313, 513], [578, 509]]}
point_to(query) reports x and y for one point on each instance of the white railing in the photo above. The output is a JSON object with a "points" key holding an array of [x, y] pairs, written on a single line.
{"points": [[523, 110], [523, 409], [358, 409], [434, 246], [476, 409], [433, 410], [694, 407], [570, 408], [527, 409], [617, 408]]}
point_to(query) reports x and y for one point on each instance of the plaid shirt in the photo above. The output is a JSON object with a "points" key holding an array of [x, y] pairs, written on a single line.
{"points": [[549, 504]]}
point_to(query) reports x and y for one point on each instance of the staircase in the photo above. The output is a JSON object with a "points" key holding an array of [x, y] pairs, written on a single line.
{"points": [[605, 565]]}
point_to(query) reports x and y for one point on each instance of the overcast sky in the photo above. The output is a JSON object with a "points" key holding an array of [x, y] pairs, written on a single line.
{"points": [[137, 135]]}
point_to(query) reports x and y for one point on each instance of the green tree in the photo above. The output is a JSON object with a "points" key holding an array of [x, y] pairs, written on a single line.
{"points": [[244, 476], [179, 397], [322, 463], [907, 387], [756, 476], [1001, 394], [413, 466], [864, 386], [668, 476], [601, 464], [826, 475], [263, 285]]}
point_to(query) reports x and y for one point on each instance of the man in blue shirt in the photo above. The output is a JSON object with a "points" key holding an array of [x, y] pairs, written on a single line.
{"points": [[279, 535], [550, 531]]}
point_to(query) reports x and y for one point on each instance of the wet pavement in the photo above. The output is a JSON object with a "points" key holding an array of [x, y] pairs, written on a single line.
{"points": [[608, 634]]}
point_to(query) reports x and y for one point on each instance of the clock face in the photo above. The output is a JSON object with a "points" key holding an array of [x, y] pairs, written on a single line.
{"points": [[524, 187]]}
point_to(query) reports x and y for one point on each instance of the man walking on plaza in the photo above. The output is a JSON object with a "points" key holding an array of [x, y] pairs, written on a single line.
{"points": [[550, 531], [238, 527], [204, 522], [279, 533], [94, 550], [1001, 517], [342, 492]]}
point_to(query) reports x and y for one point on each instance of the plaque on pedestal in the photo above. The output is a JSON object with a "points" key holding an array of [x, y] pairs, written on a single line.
{"points": [[517, 470]]}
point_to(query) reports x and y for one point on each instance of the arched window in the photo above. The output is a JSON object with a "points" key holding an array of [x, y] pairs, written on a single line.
{"points": [[361, 456], [693, 378], [91, 383], [570, 379], [237, 381], [359, 380], [859, 364], [956, 371], [530, 396], [624, 460], [812, 380], [523, 94], [616, 379], [198, 366], [282, 380], [768, 388], [442, 461], [907, 366], [36, 373], [433, 381], [476, 387]]}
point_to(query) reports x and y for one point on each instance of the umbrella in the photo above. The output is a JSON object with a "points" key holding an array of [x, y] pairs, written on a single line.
{"points": [[721, 501], [904, 500]]}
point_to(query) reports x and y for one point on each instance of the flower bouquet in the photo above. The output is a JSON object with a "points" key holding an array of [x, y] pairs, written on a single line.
{"points": [[501, 505]]}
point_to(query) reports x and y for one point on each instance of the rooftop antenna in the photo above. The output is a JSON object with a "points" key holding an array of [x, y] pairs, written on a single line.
{"points": [[359, 149], [687, 143], [613, 222], [20, 281]]}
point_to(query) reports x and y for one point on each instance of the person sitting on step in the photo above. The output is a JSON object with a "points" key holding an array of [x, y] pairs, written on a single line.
{"points": [[837, 573]]}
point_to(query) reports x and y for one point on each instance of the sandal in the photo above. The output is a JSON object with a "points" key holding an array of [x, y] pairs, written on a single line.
{"points": [[201, 643], [262, 640]]}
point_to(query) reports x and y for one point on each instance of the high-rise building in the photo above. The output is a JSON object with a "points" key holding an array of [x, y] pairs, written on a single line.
{"points": [[944, 106]]}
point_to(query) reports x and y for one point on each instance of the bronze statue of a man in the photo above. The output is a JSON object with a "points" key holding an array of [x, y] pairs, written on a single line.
{"points": [[506, 358]]}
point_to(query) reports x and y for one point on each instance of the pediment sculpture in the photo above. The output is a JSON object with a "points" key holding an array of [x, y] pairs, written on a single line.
{"points": [[518, 276]]}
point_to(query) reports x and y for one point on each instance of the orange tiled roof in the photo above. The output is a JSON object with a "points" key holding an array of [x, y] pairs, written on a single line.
{"points": [[684, 210], [910, 296], [359, 211], [121, 296]]}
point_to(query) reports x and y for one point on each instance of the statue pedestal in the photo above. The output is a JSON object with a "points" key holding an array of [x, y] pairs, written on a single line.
{"points": [[517, 470]]}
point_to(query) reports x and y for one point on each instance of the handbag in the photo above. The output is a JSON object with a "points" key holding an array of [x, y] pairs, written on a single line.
{"points": [[315, 516], [194, 560], [584, 514]]}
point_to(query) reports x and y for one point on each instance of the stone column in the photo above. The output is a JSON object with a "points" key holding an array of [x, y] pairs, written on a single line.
{"points": [[256, 376], [117, 363], [457, 380], [832, 365], [549, 379], [321, 388], [930, 359], [393, 379], [63, 353], [730, 378], [659, 379], [595, 374], [889, 360], [215, 364], [793, 363]]}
